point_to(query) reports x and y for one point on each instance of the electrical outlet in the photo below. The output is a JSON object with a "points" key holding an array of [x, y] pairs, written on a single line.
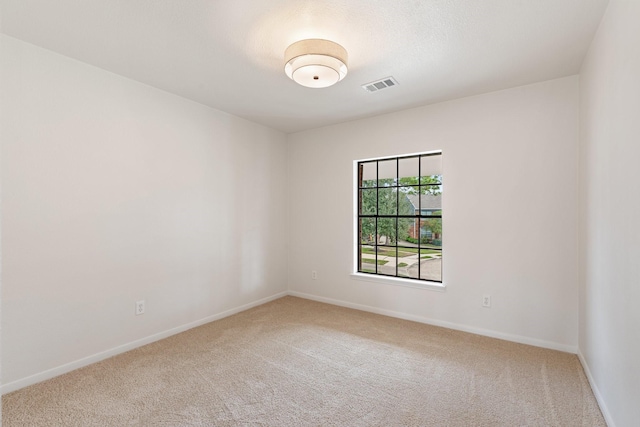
{"points": [[314, 274], [486, 301], [139, 307]]}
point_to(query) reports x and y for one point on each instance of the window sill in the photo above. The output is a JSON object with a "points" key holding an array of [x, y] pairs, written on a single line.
{"points": [[418, 284]]}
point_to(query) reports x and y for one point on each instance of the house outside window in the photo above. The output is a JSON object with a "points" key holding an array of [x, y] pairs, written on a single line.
{"points": [[399, 217]]}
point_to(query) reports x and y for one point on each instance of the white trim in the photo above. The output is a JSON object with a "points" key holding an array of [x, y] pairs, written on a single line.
{"points": [[356, 238], [68, 367], [450, 325], [398, 281], [596, 392], [85, 361]]}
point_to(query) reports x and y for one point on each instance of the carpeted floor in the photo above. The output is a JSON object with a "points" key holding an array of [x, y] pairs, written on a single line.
{"points": [[294, 362]]}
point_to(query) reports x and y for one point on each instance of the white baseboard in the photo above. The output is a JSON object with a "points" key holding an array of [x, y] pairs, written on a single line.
{"points": [[458, 327], [68, 367], [596, 392]]}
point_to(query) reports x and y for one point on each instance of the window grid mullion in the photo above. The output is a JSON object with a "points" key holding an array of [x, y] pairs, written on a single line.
{"points": [[397, 208], [377, 213], [420, 217]]}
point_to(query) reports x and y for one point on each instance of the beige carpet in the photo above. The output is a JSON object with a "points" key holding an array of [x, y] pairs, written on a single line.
{"points": [[294, 362]]}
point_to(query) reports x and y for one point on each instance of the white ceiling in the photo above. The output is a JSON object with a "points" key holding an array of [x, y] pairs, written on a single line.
{"points": [[228, 54]]}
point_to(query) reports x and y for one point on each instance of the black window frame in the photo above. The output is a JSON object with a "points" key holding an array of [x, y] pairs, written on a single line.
{"points": [[417, 217]]}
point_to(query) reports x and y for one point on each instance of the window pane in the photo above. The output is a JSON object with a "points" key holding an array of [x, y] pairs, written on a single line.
{"points": [[368, 200], [430, 203], [431, 233], [431, 166], [406, 230], [387, 201], [408, 201], [367, 261], [431, 269], [408, 170], [387, 173], [387, 231], [408, 261], [386, 260], [367, 231], [404, 270], [369, 176], [387, 252]]}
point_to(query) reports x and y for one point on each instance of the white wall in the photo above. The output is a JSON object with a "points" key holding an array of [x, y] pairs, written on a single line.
{"points": [[610, 213], [1, 139], [510, 228], [114, 192]]}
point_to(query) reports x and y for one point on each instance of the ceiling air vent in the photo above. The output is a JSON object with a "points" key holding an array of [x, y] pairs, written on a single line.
{"points": [[380, 84]]}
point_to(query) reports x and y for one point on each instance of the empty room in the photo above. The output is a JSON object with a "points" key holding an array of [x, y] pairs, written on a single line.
{"points": [[320, 213]]}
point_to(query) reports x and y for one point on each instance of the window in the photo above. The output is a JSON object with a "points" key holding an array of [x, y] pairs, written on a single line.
{"points": [[399, 222]]}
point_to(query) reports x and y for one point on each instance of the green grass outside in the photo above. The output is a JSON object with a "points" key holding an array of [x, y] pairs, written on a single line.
{"points": [[373, 261], [402, 264]]}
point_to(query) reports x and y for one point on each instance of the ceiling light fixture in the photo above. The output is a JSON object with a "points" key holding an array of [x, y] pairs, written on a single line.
{"points": [[315, 63]]}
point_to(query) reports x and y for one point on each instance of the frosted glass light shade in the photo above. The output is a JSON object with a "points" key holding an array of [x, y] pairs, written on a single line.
{"points": [[315, 63]]}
